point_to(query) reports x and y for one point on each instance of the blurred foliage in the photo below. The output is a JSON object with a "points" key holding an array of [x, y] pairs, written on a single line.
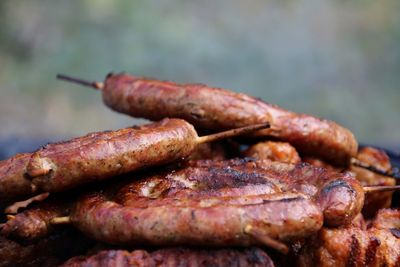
{"points": [[335, 59]]}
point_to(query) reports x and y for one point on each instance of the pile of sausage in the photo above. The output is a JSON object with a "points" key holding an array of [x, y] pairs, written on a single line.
{"points": [[262, 186]]}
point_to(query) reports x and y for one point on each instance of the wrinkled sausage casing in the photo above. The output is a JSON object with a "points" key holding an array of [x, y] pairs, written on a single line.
{"points": [[96, 156], [215, 221], [113, 153], [217, 109]]}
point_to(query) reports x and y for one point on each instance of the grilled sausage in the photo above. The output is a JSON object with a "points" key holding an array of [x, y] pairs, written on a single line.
{"points": [[374, 200], [229, 178], [386, 219], [214, 108], [111, 153], [274, 151], [172, 257], [97, 156], [353, 247], [34, 222], [204, 221]]}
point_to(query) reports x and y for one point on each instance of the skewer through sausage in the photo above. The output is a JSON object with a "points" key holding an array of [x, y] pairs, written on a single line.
{"points": [[102, 155], [217, 109]]}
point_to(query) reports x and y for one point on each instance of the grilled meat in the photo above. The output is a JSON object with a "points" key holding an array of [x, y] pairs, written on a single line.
{"points": [[375, 200], [357, 245]]}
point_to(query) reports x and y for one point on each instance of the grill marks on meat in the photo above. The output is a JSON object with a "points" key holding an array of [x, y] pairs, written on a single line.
{"points": [[353, 247], [377, 245], [216, 109], [183, 257]]}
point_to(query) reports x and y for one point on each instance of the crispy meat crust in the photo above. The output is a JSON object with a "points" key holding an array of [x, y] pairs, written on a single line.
{"points": [[217, 109], [183, 257]]}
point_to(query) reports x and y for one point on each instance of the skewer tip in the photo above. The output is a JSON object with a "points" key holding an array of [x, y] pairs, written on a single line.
{"points": [[94, 85], [61, 220], [10, 217]]}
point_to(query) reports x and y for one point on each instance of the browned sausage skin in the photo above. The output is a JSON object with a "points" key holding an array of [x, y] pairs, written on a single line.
{"points": [[380, 160], [214, 108], [13, 182], [207, 221], [113, 153]]}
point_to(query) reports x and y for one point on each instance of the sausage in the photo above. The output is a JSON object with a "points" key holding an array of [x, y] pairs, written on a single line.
{"points": [[352, 247], [98, 156], [34, 222], [274, 151], [216, 109], [374, 200], [112, 153], [204, 221], [339, 195], [172, 257]]}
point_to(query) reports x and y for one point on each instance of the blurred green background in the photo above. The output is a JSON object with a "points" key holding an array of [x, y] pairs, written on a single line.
{"points": [[335, 59]]}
